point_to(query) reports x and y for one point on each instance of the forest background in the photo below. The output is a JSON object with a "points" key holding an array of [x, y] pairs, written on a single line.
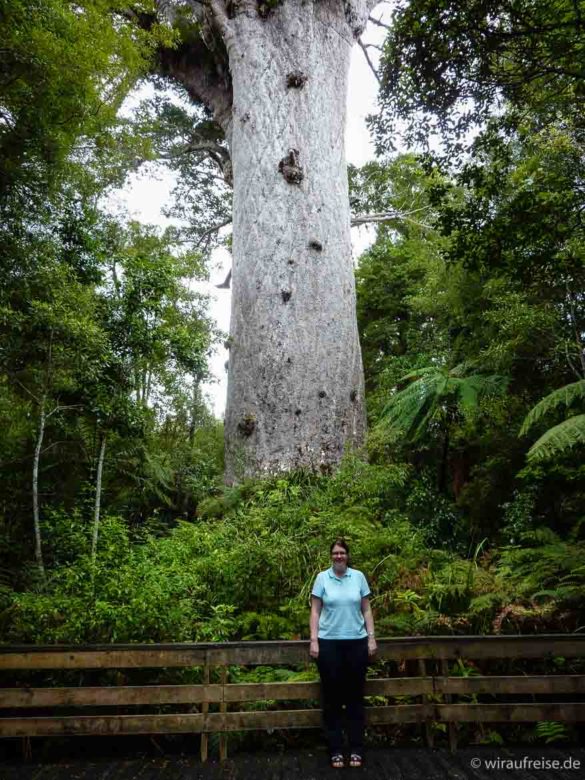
{"points": [[467, 508]]}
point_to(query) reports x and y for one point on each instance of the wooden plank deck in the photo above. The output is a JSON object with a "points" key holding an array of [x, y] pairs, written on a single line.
{"points": [[311, 764]]}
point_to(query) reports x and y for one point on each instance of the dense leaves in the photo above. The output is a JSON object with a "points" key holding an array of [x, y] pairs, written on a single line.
{"points": [[246, 573], [448, 65], [65, 67], [103, 340]]}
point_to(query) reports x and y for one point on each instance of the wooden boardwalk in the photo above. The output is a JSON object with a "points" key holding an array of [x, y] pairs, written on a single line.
{"points": [[311, 764]]}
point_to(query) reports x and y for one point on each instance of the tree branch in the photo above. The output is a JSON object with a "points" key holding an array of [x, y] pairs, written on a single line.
{"points": [[379, 23], [369, 61], [221, 19], [370, 219], [61, 408], [219, 154], [32, 395], [211, 230], [225, 285], [54, 444]]}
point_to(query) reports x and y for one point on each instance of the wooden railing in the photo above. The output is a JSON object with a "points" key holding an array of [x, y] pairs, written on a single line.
{"points": [[427, 660]]}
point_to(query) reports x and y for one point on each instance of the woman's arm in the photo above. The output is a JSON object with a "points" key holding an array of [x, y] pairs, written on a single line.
{"points": [[316, 606], [369, 621]]}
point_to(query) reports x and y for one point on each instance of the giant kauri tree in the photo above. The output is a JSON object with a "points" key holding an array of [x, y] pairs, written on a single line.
{"points": [[274, 76]]}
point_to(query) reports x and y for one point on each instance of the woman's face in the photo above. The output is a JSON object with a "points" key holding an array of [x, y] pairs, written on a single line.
{"points": [[339, 558]]}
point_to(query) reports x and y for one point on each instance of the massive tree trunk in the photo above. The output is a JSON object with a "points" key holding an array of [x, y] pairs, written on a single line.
{"points": [[295, 382]]}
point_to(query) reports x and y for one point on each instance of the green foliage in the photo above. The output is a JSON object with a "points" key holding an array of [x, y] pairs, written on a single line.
{"points": [[101, 333], [246, 573], [551, 731], [559, 439], [65, 70], [564, 396], [187, 142], [108, 341], [428, 395], [562, 437], [447, 66], [492, 286]]}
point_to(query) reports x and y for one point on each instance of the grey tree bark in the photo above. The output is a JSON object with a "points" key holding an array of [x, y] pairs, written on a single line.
{"points": [[295, 380]]}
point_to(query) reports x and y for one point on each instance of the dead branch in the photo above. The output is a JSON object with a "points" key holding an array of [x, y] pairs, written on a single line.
{"points": [[369, 61]]}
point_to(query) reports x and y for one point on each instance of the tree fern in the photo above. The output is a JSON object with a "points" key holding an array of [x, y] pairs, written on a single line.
{"points": [[431, 391], [564, 396], [559, 439]]}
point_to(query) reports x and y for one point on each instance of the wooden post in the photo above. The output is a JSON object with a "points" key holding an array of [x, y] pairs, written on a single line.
{"points": [[451, 728], [223, 708], [205, 710], [26, 749], [428, 726]]}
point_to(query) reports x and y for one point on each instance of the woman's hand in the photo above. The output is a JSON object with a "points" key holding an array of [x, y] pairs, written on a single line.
{"points": [[372, 646], [314, 649]]}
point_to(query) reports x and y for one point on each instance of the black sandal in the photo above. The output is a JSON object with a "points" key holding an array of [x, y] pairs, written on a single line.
{"points": [[337, 761], [355, 760]]}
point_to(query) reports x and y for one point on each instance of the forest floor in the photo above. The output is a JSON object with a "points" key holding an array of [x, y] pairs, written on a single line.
{"points": [[470, 763]]}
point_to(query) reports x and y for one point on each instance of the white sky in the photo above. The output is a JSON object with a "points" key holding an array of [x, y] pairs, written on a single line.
{"points": [[143, 199]]}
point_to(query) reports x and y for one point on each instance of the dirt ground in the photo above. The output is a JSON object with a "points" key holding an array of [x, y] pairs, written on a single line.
{"points": [[311, 764]]}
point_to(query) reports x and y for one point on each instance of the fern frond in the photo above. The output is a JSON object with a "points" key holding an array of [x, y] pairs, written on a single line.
{"points": [[432, 389], [559, 439], [468, 394], [409, 409], [420, 373], [564, 396]]}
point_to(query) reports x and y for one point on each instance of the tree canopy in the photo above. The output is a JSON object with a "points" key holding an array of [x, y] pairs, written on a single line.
{"points": [[449, 66]]}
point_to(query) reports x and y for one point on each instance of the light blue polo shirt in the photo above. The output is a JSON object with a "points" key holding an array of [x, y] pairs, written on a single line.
{"points": [[341, 615]]}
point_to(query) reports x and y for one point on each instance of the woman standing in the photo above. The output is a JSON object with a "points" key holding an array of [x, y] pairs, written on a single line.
{"points": [[342, 638]]}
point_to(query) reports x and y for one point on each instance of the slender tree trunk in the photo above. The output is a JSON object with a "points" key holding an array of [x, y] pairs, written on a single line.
{"points": [[442, 486], [460, 470], [577, 330], [295, 383], [98, 498], [148, 384], [195, 421], [137, 385], [35, 487]]}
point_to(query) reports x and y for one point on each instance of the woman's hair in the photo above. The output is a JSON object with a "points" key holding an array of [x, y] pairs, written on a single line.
{"points": [[339, 542]]}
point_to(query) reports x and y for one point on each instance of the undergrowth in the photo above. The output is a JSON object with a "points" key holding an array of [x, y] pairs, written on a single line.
{"points": [[243, 569]]}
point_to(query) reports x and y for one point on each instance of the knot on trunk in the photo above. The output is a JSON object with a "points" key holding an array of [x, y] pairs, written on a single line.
{"points": [[316, 245], [247, 425], [232, 8], [290, 168], [265, 7], [296, 80], [285, 294]]}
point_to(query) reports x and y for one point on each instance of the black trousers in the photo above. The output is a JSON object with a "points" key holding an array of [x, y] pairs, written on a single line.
{"points": [[342, 666]]}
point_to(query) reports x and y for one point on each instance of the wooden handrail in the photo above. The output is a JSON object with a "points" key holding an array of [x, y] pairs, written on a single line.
{"points": [[437, 692], [124, 656]]}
